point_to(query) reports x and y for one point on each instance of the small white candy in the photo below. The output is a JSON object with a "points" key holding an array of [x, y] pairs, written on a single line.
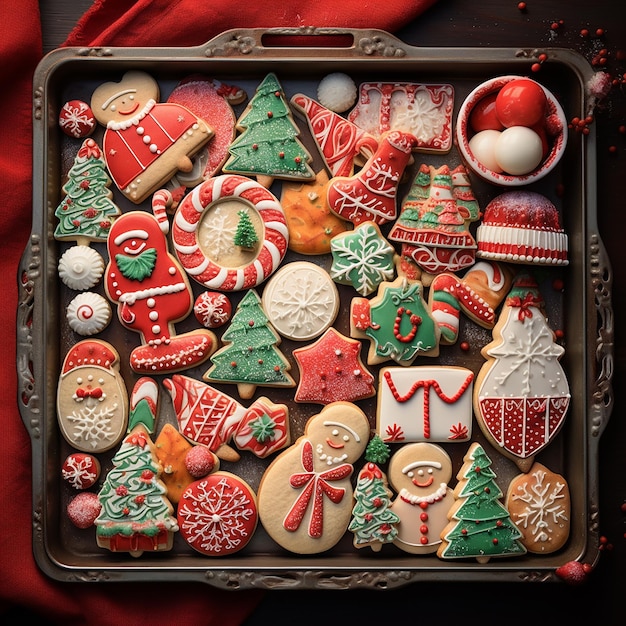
{"points": [[336, 92]]}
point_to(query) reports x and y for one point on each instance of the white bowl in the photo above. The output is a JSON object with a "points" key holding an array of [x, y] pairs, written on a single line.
{"points": [[464, 133]]}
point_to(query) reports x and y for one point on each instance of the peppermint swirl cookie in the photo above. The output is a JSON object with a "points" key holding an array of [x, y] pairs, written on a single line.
{"points": [[88, 313]]}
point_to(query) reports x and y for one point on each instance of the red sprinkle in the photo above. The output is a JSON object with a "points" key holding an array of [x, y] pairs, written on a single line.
{"points": [[521, 6]]}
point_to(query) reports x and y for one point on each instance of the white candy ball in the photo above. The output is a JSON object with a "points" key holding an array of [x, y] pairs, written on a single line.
{"points": [[336, 92], [482, 145], [518, 150]]}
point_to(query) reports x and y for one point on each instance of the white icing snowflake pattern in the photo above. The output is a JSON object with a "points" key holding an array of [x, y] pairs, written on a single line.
{"points": [[93, 424], [425, 117], [216, 517], [362, 258], [218, 233], [77, 116], [77, 472], [544, 507]]}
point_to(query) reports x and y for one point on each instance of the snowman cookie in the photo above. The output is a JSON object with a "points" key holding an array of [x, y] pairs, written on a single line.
{"points": [[145, 142], [305, 494]]}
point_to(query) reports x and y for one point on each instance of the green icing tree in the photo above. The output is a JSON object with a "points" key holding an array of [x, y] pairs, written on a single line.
{"points": [[136, 514], [269, 144], [373, 522], [245, 235], [87, 211], [251, 356], [480, 526]]}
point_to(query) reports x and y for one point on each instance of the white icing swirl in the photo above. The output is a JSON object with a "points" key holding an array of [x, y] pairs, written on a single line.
{"points": [[88, 313], [81, 267]]}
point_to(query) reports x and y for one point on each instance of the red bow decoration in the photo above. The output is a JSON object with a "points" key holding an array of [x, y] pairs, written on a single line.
{"points": [[89, 393], [137, 439], [523, 304], [315, 486]]}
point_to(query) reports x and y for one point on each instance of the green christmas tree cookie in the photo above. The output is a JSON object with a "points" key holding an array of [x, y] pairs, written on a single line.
{"points": [[268, 146], [480, 526], [251, 356]]}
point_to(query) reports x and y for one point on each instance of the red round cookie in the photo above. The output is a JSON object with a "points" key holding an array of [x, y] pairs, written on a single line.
{"points": [[76, 119], [218, 515], [81, 470], [84, 509], [212, 309]]}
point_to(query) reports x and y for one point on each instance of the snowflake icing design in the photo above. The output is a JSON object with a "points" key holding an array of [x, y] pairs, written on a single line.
{"points": [[543, 506], [219, 232], [76, 118], [362, 258], [217, 516], [93, 424], [78, 471]]}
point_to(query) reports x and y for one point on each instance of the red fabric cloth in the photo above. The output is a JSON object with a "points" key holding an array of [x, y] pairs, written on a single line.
{"points": [[118, 23]]}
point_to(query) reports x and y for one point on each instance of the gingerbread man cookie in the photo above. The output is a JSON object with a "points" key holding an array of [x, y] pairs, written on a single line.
{"points": [[145, 142], [152, 293], [305, 494]]}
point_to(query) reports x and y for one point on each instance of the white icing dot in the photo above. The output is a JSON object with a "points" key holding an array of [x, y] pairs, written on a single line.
{"points": [[140, 130], [151, 302], [156, 329], [154, 316], [172, 270], [153, 148], [147, 139]]}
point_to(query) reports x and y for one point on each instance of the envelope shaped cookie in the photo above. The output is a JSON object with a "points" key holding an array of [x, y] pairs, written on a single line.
{"points": [[424, 404]]}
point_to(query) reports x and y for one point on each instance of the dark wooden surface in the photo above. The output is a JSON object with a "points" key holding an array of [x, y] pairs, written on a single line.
{"points": [[494, 23]]}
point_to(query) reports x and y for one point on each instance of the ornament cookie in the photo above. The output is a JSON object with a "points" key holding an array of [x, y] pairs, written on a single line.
{"points": [[217, 515], [331, 370], [152, 294], [370, 194], [251, 356], [480, 526], [87, 211], [83, 509], [362, 258], [136, 513], [81, 470], [268, 146], [92, 403], [230, 233], [521, 394], [433, 225], [340, 142], [305, 494], [539, 504], [310, 221], [397, 323], [423, 110], [76, 119], [301, 300], [420, 403], [420, 473], [146, 141]]}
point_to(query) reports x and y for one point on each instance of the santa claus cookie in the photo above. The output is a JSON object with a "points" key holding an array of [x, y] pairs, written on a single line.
{"points": [[92, 403], [521, 395], [145, 142], [152, 293], [136, 513], [305, 494], [419, 473]]}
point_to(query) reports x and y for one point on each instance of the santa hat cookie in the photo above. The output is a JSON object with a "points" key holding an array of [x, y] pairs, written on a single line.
{"points": [[522, 227]]}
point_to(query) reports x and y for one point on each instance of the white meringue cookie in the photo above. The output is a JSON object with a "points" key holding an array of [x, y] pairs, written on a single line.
{"points": [[81, 267], [88, 313]]}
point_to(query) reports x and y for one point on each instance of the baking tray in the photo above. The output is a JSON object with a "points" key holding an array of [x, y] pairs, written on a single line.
{"points": [[300, 57]]}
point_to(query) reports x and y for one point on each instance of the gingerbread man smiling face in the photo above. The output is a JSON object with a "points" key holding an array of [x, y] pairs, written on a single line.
{"points": [[420, 473], [145, 142]]}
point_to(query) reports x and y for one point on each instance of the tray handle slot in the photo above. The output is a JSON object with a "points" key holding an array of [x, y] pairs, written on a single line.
{"points": [[602, 398], [28, 273], [306, 42]]}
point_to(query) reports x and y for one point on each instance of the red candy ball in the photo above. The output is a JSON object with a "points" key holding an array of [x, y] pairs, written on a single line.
{"points": [[199, 461], [521, 102], [484, 116], [84, 509]]}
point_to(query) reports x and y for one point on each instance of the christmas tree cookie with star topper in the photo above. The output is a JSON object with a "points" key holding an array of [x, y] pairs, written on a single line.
{"points": [[521, 394]]}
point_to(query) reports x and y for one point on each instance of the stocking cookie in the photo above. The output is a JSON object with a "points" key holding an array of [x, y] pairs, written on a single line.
{"points": [[92, 403], [521, 395], [145, 142], [152, 294], [305, 494]]}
